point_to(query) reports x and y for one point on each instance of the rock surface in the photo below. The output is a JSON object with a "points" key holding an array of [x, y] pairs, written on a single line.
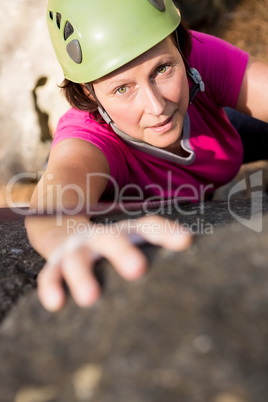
{"points": [[193, 329], [28, 69], [204, 13]]}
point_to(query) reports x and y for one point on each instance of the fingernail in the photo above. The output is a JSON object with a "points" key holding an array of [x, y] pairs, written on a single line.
{"points": [[87, 294], [134, 267], [53, 300], [178, 242]]}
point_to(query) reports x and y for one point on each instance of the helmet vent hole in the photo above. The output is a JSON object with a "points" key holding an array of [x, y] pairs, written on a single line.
{"points": [[58, 19], [68, 30], [74, 51], [159, 4], [50, 13]]}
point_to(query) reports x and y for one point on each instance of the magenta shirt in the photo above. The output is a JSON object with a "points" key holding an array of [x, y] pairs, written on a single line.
{"points": [[215, 148]]}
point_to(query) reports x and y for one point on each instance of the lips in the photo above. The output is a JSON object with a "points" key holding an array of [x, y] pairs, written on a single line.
{"points": [[162, 123]]}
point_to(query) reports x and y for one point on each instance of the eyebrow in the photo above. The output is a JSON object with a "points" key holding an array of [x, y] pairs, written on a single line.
{"points": [[163, 59]]}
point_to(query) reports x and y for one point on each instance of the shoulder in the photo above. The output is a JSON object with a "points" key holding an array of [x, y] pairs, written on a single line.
{"points": [[210, 51], [75, 122], [77, 129], [215, 48], [82, 125], [221, 65], [74, 154]]}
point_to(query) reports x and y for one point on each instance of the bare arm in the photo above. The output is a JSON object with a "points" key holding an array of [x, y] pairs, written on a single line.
{"points": [[64, 185], [253, 96], [69, 164]]}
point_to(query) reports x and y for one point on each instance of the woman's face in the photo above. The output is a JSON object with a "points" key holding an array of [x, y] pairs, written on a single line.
{"points": [[148, 97]]}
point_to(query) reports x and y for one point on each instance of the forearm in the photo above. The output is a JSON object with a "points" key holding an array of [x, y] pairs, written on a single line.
{"points": [[46, 234]]}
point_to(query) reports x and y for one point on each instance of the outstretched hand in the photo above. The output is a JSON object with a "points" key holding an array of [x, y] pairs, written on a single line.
{"points": [[73, 261]]}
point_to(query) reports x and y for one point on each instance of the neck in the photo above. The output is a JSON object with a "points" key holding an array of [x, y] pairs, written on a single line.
{"points": [[177, 149]]}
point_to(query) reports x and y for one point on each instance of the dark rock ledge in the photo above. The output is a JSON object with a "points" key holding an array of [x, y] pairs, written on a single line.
{"points": [[194, 329]]}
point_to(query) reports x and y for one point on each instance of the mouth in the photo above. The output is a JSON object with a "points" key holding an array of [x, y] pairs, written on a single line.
{"points": [[163, 126], [163, 123]]}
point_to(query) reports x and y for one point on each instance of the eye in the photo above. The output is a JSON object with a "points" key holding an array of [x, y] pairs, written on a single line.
{"points": [[121, 90], [161, 69]]}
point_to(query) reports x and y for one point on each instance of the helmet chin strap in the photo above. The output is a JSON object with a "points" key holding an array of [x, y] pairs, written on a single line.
{"points": [[117, 130], [193, 74], [198, 83], [107, 118]]}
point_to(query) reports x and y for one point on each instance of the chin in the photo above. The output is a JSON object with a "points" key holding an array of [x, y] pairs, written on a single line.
{"points": [[168, 143]]}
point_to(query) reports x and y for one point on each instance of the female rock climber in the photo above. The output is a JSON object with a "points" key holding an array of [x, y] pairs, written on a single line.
{"points": [[147, 122]]}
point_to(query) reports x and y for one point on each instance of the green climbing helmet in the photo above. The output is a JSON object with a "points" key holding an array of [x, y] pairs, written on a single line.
{"points": [[92, 38]]}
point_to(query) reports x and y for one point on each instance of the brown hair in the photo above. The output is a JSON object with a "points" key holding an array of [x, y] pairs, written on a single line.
{"points": [[75, 95]]}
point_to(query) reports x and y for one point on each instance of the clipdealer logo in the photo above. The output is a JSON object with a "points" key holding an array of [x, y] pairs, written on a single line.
{"points": [[254, 186]]}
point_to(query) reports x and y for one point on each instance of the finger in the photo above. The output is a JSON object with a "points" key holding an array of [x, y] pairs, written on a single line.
{"points": [[127, 259], [163, 232], [77, 269], [50, 290]]}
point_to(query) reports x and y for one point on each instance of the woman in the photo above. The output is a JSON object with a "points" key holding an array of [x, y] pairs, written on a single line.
{"points": [[144, 125]]}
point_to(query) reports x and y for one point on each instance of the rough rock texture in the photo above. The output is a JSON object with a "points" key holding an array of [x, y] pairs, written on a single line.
{"points": [[19, 264], [193, 329], [28, 66], [245, 25], [204, 13]]}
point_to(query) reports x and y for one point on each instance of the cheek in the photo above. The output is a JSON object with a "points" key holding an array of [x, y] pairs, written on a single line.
{"points": [[179, 90], [126, 121], [125, 116], [122, 116]]}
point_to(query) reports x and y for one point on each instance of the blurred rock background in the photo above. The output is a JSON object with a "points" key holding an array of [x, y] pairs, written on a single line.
{"points": [[30, 99], [31, 102]]}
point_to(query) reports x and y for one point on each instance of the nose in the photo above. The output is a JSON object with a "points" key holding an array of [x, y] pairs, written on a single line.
{"points": [[153, 101]]}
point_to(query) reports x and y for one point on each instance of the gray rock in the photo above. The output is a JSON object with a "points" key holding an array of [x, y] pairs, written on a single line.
{"points": [[29, 75], [193, 329], [18, 269], [204, 13]]}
